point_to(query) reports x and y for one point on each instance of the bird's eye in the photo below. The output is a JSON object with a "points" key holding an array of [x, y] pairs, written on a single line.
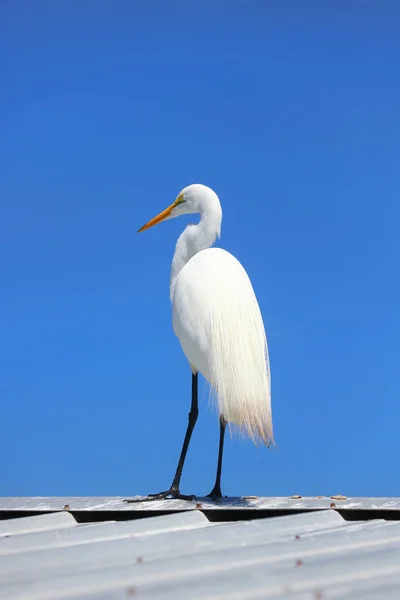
{"points": [[180, 199]]}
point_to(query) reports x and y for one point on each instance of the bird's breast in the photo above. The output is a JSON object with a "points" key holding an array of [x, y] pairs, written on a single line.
{"points": [[211, 276]]}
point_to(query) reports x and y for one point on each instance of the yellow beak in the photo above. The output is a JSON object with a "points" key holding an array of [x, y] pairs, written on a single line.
{"points": [[163, 215]]}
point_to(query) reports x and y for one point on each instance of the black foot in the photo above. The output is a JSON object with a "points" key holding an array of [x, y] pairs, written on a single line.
{"points": [[215, 494], [172, 493]]}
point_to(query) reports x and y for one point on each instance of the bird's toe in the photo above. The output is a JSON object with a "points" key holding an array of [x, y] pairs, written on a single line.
{"points": [[172, 493]]}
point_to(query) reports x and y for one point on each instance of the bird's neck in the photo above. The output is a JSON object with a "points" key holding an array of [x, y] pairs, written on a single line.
{"points": [[194, 239]]}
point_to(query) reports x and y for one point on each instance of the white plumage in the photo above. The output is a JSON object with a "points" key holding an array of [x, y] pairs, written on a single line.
{"points": [[218, 322], [219, 325]]}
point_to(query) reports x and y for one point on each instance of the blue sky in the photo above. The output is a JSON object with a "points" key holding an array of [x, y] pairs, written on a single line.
{"points": [[107, 110]]}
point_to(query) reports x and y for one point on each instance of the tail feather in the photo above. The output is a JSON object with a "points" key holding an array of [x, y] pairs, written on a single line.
{"points": [[239, 365]]}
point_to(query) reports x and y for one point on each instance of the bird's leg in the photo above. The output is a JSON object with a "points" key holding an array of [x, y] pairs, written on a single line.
{"points": [[174, 489], [194, 412], [216, 491]]}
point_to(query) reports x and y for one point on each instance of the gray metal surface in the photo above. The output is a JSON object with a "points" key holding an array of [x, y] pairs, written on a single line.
{"points": [[306, 556], [42, 504], [40, 523], [100, 532]]}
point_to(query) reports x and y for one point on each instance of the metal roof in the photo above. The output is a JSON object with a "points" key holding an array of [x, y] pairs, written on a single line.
{"points": [[116, 504], [312, 554]]}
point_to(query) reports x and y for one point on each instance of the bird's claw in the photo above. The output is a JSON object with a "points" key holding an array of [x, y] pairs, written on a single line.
{"points": [[175, 494], [215, 494]]}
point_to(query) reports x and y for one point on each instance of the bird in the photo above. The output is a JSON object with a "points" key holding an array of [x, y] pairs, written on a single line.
{"points": [[217, 319]]}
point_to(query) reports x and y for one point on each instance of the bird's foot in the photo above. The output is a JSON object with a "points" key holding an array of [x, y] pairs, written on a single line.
{"points": [[171, 493], [216, 493]]}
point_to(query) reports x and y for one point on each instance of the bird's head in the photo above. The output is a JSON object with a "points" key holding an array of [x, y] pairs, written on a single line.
{"points": [[195, 198]]}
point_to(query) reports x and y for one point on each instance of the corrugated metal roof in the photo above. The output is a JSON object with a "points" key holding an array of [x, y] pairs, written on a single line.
{"points": [[115, 503], [315, 555]]}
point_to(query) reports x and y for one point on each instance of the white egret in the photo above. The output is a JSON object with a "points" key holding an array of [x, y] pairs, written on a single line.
{"points": [[219, 325]]}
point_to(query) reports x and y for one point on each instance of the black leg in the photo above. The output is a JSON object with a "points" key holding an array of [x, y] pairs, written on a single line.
{"points": [[174, 489], [216, 491]]}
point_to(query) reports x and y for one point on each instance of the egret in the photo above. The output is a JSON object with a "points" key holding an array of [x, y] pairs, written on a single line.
{"points": [[217, 319]]}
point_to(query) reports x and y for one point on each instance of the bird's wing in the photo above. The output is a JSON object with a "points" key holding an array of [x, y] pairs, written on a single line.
{"points": [[219, 324]]}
